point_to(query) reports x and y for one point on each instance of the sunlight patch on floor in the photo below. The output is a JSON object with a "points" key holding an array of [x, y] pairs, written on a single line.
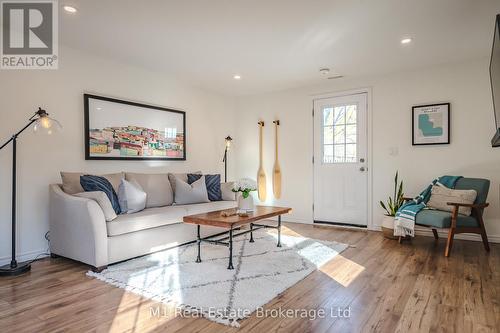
{"points": [[342, 270]]}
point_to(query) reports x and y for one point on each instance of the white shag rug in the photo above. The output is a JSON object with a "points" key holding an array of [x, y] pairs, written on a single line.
{"points": [[261, 272]]}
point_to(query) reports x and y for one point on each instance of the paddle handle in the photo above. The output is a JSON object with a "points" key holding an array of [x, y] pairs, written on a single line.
{"points": [[276, 124], [261, 125]]}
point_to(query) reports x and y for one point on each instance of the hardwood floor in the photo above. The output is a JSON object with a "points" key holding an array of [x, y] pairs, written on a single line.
{"points": [[388, 287]]}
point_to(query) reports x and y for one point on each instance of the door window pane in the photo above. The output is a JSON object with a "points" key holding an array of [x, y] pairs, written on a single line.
{"points": [[339, 134], [339, 115], [350, 134], [328, 135], [328, 154], [351, 111], [328, 116], [339, 154]]}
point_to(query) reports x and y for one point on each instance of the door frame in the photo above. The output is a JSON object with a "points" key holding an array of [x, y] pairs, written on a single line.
{"points": [[369, 148]]}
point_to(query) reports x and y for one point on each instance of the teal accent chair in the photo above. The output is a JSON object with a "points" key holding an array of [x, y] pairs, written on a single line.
{"points": [[457, 223]]}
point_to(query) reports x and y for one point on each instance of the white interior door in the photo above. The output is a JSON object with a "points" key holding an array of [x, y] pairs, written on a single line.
{"points": [[340, 166]]}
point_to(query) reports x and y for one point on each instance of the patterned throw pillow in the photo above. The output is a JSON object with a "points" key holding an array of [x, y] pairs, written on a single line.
{"points": [[97, 183], [213, 185]]}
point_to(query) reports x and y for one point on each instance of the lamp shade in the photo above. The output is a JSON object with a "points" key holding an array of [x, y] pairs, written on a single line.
{"points": [[46, 125]]}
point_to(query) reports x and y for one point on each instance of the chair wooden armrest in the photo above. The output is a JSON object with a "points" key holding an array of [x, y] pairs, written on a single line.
{"points": [[478, 206]]}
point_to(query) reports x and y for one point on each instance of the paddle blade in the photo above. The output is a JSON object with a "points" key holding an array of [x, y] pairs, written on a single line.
{"points": [[261, 185], [277, 181]]}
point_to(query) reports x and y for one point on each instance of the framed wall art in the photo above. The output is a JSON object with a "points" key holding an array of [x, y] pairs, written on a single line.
{"points": [[431, 124], [124, 130]]}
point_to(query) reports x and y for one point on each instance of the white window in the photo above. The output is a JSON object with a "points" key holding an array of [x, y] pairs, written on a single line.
{"points": [[340, 134]]}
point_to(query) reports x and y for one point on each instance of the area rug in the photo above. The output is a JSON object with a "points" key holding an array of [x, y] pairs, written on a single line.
{"points": [[261, 272]]}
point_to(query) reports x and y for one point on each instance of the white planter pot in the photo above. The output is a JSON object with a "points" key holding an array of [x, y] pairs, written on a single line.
{"points": [[245, 204], [388, 227]]}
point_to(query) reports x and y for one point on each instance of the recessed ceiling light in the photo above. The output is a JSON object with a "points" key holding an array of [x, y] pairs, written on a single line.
{"points": [[70, 9], [406, 40], [237, 77]]}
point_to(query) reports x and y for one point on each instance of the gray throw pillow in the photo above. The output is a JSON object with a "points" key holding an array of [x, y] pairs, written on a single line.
{"points": [[227, 191], [102, 200], [131, 197], [181, 176], [190, 194]]}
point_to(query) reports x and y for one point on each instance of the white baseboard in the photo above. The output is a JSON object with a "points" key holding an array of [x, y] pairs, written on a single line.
{"points": [[470, 237], [25, 256]]}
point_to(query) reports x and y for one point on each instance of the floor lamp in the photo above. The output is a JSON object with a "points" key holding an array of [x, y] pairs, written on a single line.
{"points": [[228, 145], [41, 123]]}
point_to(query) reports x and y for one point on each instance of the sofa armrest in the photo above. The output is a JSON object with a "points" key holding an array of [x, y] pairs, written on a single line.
{"points": [[77, 228]]}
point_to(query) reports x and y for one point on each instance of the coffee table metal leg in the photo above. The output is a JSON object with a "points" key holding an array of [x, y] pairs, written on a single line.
{"points": [[198, 258], [230, 249], [279, 231], [251, 233]]}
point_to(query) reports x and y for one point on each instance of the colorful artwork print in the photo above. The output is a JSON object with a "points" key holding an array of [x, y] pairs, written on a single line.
{"points": [[431, 124], [124, 130]]}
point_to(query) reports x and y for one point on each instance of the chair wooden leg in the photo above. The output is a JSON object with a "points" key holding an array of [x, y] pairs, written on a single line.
{"points": [[436, 236], [400, 239], [449, 242], [483, 233]]}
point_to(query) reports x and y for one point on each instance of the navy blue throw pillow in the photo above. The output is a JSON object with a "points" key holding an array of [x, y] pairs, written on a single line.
{"points": [[96, 183], [213, 185]]}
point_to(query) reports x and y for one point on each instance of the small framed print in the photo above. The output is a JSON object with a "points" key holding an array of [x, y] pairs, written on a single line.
{"points": [[431, 124]]}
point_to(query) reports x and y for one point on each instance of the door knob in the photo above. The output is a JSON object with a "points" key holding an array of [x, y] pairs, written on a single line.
{"points": [[362, 169]]}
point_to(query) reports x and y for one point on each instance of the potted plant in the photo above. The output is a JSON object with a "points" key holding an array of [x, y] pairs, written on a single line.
{"points": [[393, 205], [245, 200]]}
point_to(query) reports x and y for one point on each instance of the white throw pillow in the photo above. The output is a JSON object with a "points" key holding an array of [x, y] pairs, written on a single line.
{"points": [[441, 195], [227, 191], [131, 197], [102, 200], [190, 194]]}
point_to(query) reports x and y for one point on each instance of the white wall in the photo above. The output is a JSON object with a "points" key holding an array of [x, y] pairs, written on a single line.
{"points": [[466, 86], [60, 92]]}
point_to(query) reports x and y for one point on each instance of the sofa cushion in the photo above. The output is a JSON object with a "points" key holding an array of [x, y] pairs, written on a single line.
{"points": [[157, 187], [440, 196], [208, 207], [97, 183], [212, 182], [440, 219], [148, 218], [190, 193], [71, 181]]}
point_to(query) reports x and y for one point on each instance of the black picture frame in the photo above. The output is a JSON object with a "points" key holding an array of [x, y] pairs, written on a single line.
{"points": [[88, 156], [448, 124]]}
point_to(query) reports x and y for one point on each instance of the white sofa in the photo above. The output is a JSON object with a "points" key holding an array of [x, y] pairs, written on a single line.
{"points": [[79, 231]]}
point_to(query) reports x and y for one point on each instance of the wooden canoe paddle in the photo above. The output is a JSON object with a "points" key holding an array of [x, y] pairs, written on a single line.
{"points": [[276, 168], [261, 175]]}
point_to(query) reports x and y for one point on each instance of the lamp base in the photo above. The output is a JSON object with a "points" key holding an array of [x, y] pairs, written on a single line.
{"points": [[21, 268]]}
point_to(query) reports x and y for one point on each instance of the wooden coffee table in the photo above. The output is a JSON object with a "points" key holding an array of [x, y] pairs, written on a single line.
{"points": [[215, 219]]}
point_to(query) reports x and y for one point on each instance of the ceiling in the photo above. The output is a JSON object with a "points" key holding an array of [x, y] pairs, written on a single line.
{"points": [[279, 44]]}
